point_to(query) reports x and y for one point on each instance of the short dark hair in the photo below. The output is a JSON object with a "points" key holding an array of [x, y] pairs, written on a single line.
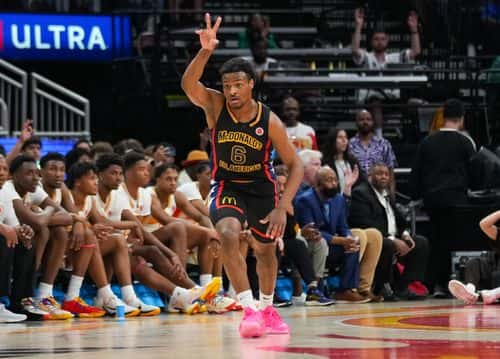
{"points": [[101, 147], [201, 166], [238, 64], [2, 151], [51, 156], [81, 140], [128, 145], [74, 155], [33, 140], [19, 161], [132, 158], [77, 171], [453, 109], [107, 160], [164, 167]]}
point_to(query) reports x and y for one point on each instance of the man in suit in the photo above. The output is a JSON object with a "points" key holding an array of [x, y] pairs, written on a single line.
{"points": [[325, 209], [371, 206]]}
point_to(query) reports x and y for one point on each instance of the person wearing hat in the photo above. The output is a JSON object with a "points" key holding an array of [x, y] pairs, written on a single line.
{"points": [[189, 166], [163, 152]]}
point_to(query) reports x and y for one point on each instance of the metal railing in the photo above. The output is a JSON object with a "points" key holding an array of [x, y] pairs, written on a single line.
{"points": [[4, 119], [57, 111], [14, 92]]}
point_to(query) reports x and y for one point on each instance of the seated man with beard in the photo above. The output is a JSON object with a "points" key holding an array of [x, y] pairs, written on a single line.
{"points": [[325, 209]]}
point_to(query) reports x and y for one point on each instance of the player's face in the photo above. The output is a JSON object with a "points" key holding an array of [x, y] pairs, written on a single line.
{"points": [[141, 173], [204, 177], [311, 170], [281, 180], [34, 151], [167, 182], [53, 174], [111, 177], [380, 178], [380, 41], [27, 177], [341, 141], [291, 111], [237, 89], [364, 122], [87, 184], [4, 171]]}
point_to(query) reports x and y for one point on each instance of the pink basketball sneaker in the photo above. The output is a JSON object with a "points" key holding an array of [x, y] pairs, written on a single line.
{"points": [[274, 323], [252, 325]]}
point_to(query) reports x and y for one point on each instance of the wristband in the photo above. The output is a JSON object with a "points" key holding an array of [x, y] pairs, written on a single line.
{"points": [[405, 234]]}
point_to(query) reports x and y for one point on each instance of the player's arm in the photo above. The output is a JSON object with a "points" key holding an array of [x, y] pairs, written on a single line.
{"points": [[287, 153], [200, 206], [192, 212], [277, 218], [79, 223], [488, 225], [60, 217], [27, 216], [158, 213], [210, 100], [26, 133]]}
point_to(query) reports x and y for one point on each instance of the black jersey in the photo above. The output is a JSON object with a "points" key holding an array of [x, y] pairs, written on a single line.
{"points": [[242, 151]]}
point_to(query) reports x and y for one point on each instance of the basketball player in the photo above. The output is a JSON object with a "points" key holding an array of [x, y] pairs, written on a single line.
{"points": [[467, 292], [244, 133]]}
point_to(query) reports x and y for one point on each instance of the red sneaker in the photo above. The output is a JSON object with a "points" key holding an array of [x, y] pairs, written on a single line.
{"points": [[81, 309]]}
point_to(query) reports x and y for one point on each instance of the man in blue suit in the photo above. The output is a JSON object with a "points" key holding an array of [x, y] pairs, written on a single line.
{"points": [[324, 208]]}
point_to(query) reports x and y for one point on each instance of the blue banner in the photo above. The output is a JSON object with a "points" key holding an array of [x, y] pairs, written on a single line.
{"points": [[64, 37]]}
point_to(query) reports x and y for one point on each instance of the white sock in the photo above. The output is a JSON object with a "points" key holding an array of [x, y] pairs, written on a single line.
{"points": [[245, 298], [44, 290], [75, 283], [128, 293], [231, 292], [181, 294], [265, 300], [205, 279], [105, 292]]}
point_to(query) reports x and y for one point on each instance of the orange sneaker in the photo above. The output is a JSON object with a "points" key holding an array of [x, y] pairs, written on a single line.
{"points": [[79, 308]]}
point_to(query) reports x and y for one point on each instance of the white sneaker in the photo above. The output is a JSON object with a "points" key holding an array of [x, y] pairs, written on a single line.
{"points": [[488, 296], [110, 303], [221, 304], [301, 300], [466, 293], [146, 309], [6, 316]]}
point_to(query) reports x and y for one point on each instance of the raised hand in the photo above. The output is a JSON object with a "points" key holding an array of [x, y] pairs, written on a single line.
{"points": [[351, 177], [413, 22], [359, 17], [26, 131], [208, 36]]}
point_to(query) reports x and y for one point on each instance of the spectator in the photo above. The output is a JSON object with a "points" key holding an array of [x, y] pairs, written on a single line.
{"points": [[188, 174], [371, 206], [83, 144], [378, 58], [311, 160], [367, 147], [198, 192], [325, 210], [128, 145], [296, 249], [99, 148], [337, 156], [440, 175], [260, 60], [4, 170], [77, 155], [258, 27], [163, 153], [33, 148], [301, 135]]}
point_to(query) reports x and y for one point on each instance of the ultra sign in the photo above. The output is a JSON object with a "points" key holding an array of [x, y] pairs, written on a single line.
{"points": [[64, 37]]}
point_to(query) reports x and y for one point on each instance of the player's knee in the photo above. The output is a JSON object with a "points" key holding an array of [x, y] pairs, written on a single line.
{"points": [[264, 250], [229, 229], [89, 238], [177, 229]]}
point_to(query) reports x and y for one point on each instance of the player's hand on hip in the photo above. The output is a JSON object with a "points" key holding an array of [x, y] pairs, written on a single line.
{"points": [[208, 36], [276, 221]]}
